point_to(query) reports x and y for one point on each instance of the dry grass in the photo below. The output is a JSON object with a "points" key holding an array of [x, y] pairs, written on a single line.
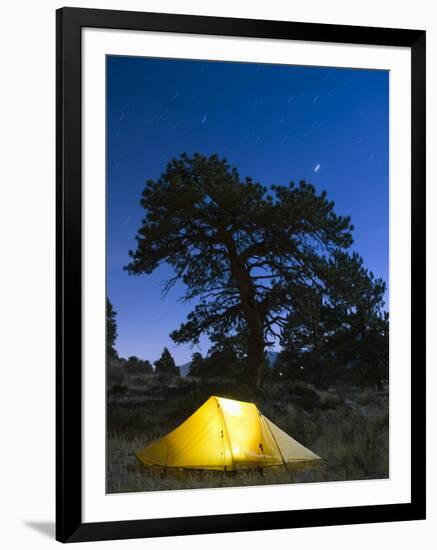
{"points": [[127, 474], [348, 428]]}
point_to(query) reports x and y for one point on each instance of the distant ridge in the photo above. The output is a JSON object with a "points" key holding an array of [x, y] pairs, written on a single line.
{"points": [[271, 358]]}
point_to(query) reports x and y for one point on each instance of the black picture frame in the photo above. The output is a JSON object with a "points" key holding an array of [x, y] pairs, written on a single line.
{"points": [[69, 24]]}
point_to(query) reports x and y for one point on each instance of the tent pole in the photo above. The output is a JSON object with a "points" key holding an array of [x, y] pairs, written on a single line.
{"points": [[225, 428]]}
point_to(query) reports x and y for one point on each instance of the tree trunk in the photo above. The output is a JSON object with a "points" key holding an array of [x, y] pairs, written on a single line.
{"points": [[255, 355], [250, 310]]}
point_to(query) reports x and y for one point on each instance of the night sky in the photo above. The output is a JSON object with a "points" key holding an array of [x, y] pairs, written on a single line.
{"points": [[274, 123]]}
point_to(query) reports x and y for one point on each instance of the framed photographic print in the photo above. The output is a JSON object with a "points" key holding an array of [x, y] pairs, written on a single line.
{"points": [[240, 274]]}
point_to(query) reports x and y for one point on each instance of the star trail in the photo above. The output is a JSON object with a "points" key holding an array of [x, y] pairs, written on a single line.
{"points": [[274, 123]]}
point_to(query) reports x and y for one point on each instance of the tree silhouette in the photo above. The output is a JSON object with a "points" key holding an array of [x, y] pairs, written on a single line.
{"points": [[241, 250], [343, 326], [111, 330], [166, 364], [363, 333], [138, 366], [306, 337], [197, 365]]}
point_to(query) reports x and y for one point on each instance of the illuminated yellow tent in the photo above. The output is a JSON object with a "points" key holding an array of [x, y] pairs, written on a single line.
{"points": [[224, 434]]}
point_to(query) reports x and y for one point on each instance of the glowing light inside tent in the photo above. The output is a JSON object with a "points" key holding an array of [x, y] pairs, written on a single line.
{"points": [[231, 407]]}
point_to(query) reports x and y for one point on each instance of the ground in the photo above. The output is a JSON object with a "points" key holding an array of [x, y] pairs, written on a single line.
{"points": [[347, 427]]}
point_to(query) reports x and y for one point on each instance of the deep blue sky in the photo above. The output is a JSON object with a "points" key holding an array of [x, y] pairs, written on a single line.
{"points": [[274, 123]]}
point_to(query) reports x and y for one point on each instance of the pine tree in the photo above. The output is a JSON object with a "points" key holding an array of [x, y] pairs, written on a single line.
{"points": [[166, 364], [111, 330], [239, 248]]}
